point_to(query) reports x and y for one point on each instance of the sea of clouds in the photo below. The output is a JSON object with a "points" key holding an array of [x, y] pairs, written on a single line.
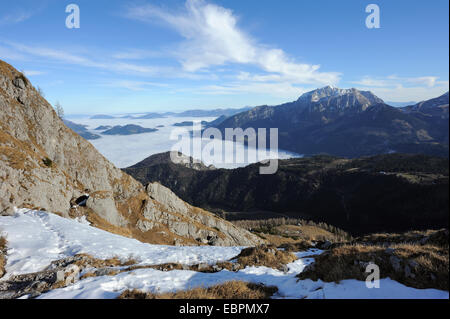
{"points": [[126, 150]]}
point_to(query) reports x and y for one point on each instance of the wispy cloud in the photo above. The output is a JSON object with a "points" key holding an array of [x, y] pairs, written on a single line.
{"points": [[7, 53], [212, 37], [394, 80], [33, 72], [136, 54], [120, 64], [54, 55], [282, 90], [15, 17], [396, 88], [428, 81], [135, 85]]}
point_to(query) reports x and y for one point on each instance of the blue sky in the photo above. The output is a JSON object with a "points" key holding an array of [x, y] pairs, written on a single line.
{"points": [[133, 56]]}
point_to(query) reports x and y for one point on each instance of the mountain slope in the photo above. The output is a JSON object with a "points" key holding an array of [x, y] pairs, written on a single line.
{"points": [[45, 165], [437, 106], [347, 122], [391, 192]]}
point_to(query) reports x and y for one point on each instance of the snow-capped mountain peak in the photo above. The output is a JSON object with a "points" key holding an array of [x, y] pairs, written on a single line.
{"points": [[333, 98]]}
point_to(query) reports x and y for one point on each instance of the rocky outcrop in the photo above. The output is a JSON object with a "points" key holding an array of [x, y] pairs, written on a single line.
{"points": [[178, 225], [45, 165], [60, 273]]}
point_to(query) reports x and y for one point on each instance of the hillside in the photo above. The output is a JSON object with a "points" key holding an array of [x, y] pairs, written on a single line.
{"points": [[45, 165], [350, 123], [392, 192]]}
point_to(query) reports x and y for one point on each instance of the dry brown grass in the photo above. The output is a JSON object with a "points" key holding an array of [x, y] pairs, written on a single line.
{"points": [[285, 231], [228, 290], [95, 274], [299, 245], [88, 261], [431, 237], [264, 255], [301, 236], [277, 240], [419, 266], [3, 243], [205, 268], [307, 232], [294, 229]]}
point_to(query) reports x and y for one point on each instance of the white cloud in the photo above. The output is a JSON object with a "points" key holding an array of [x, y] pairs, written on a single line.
{"points": [[213, 38]]}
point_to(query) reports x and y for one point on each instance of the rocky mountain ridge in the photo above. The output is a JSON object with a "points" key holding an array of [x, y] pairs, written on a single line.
{"points": [[350, 123]]}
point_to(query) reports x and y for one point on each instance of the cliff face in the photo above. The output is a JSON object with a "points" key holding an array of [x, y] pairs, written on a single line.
{"points": [[45, 165]]}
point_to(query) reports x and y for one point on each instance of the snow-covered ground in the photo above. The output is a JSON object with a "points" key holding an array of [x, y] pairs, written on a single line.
{"points": [[36, 238], [127, 150]]}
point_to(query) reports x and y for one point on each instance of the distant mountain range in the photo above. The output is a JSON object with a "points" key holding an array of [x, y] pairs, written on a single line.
{"points": [[102, 116], [81, 130], [351, 123], [128, 129], [189, 113], [190, 123], [103, 127], [391, 192], [400, 104]]}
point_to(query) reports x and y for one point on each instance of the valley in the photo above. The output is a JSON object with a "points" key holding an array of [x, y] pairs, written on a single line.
{"points": [[358, 195]]}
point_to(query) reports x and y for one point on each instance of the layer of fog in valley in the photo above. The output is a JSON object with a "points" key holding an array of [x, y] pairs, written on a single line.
{"points": [[127, 150]]}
